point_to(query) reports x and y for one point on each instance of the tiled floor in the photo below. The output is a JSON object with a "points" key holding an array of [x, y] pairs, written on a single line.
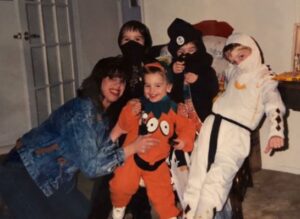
{"points": [[275, 195]]}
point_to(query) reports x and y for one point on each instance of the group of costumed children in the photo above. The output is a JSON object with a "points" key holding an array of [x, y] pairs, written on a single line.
{"points": [[189, 79], [177, 100]]}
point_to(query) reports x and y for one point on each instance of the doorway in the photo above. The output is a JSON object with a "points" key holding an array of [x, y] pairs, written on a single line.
{"points": [[49, 55], [131, 10]]}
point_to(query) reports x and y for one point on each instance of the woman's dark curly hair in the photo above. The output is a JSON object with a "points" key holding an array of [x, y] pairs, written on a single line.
{"points": [[134, 25], [91, 87]]}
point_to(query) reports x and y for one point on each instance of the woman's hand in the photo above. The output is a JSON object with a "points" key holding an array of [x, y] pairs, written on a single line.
{"points": [[274, 142], [178, 67], [141, 145], [190, 77]]}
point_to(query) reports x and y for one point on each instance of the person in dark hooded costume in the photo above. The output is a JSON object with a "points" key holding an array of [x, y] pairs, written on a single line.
{"points": [[195, 81], [135, 42]]}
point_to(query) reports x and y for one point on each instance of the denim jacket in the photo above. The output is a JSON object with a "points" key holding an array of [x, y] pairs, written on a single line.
{"points": [[83, 144]]}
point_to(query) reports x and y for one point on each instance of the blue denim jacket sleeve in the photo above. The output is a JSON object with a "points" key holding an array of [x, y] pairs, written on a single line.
{"points": [[95, 153], [83, 139], [98, 154]]}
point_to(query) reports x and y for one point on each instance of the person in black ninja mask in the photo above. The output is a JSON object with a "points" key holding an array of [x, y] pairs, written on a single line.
{"points": [[135, 42], [195, 81]]}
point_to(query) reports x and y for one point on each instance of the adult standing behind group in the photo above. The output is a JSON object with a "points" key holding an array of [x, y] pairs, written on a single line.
{"points": [[38, 179], [135, 41]]}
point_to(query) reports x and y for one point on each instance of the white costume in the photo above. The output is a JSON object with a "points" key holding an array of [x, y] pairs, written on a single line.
{"points": [[250, 93]]}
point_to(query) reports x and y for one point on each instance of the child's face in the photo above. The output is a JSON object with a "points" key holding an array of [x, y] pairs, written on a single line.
{"points": [[189, 48], [134, 36], [156, 87], [112, 89], [238, 54]]}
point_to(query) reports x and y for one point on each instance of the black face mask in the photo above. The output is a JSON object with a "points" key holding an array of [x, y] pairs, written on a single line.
{"points": [[194, 62], [133, 52]]}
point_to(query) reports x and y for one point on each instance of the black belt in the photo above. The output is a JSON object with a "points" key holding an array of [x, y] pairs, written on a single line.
{"points": [[214, 136], [144, 165]]}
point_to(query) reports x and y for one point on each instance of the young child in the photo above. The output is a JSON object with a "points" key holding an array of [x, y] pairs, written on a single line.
{"points": [[195, 84], [159, 118], [195, 81], [224, 140], [134, 41]]}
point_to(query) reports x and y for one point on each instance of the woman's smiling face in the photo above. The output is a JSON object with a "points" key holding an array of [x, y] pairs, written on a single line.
{"points": [[112, 89]]}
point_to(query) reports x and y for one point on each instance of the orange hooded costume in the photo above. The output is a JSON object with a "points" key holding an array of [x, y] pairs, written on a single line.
{"points": [[162, 121]]}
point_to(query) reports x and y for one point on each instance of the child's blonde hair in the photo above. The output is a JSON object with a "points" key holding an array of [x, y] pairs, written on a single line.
{"points": [[157, 68]]}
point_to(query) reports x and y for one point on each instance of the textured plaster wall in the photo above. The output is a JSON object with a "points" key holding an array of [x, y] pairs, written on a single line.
{"points": [[14, 108], [270, 22], [98, 25]]}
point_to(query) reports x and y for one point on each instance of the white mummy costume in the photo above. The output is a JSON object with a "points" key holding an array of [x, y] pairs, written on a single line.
{"points": [[250, 93]]}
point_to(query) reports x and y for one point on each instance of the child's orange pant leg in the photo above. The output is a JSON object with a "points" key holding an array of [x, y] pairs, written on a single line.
{"points": [[124, 183], [160, 191]]}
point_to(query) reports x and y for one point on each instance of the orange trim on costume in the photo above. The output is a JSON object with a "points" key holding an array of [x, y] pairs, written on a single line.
{"points": [[155, 64], [239, 86]]}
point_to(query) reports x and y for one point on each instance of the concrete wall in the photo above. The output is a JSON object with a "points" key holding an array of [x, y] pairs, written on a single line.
{"points": [[270, 22]]}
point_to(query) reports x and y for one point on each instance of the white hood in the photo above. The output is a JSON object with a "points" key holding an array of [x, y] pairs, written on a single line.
{"points": [[252, 62]]}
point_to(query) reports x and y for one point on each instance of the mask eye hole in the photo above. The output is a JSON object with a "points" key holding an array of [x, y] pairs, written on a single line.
{"points": [[152, 125], [165, 127]]}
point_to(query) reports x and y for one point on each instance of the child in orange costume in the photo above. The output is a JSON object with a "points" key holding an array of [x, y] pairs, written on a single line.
{"points": [[160, 118]]}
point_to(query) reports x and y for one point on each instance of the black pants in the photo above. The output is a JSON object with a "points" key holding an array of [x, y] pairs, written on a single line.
{"points": [[139, 205]]}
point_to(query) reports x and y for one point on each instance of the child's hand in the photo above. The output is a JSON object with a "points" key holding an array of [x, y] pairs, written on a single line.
{"points": [[116, 132], [178, 67], [190, 77], [274, 142], [179, 144], [182, 110], [136, 106], [184, 168]]}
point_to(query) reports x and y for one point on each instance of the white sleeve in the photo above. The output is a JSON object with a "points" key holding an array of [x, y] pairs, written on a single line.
{"points": [[274, 107], [191, 194]]}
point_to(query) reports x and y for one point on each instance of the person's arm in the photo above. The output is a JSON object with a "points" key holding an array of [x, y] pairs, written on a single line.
{"points": [[97, 153], [186, 131], [53, 127], [129, 117], [275, 111], [101, 156], [203, 91]]}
